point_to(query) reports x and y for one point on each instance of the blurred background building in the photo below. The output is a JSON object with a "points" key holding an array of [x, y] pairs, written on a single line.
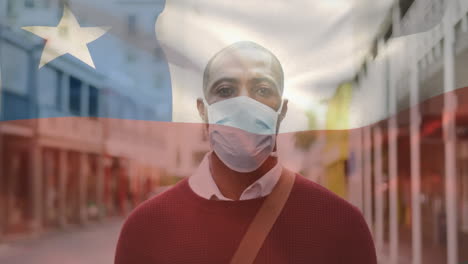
{"points": [[86, 147], [72, 149], [408, 172]]}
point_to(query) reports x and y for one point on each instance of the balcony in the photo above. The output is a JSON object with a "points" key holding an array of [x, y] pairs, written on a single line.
{"points": [[80, 133], [421, 15]]}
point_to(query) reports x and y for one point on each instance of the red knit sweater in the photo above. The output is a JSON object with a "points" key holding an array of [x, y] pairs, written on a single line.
{"points": [[178, 226]]}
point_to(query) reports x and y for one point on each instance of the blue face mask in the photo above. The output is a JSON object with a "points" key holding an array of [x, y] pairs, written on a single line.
{"points": [[242, 132]]}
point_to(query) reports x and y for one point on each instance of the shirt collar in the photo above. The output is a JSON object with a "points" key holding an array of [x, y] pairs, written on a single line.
{"points": [[203, 185]]}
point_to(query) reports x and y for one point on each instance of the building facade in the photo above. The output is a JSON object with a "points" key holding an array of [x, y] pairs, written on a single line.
{"points": [[413, 164], [67, 156]]}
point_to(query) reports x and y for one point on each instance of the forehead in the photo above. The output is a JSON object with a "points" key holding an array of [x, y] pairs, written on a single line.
{"points": [[245, 62]]}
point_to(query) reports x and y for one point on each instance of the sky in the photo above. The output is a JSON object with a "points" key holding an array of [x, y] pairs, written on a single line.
{"points": [[319, 43]]}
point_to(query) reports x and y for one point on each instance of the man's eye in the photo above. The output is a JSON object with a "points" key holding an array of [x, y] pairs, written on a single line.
{"points": [[264, 91], [225, 91]]}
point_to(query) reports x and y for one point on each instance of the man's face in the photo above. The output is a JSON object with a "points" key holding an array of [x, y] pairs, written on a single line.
{"points": [[244, 72]]}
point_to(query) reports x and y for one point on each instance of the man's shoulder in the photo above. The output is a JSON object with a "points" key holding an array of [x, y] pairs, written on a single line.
{"points": [[312, 194], [327, 210], [311, 189]]}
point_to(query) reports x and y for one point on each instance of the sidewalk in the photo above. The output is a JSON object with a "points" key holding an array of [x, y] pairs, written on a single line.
{"points": [[404, 256], [91, 244], [430, 255]]}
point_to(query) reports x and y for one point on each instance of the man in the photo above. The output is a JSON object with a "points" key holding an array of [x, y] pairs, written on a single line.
{"points": [[205, 218]]}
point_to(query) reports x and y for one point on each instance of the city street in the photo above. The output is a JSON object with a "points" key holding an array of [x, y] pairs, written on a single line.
{"points": [[93, 244]]}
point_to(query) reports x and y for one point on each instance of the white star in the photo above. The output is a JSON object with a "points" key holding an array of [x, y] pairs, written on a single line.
{"points": [[67, 37]]}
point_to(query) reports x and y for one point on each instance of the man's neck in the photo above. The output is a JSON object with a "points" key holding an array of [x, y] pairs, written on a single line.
{"points": [[232, 183]]}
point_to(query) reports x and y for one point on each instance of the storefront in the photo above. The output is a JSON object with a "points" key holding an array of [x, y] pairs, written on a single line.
{"points": [[15, 192]]}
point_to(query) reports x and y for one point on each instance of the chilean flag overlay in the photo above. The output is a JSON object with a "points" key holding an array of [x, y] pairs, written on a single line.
{"points": [[377, 111]]}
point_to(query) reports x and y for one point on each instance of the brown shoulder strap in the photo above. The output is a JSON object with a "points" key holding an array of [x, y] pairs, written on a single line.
{"points": [[264, 220]]}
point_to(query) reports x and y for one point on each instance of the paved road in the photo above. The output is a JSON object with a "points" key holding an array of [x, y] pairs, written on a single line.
{"points": [[93, 244]]}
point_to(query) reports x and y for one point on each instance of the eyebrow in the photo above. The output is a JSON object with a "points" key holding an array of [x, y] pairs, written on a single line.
{"points": [[224, 79], [265, 79]]}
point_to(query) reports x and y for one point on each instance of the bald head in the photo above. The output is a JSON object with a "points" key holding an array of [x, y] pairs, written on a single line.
{"points": [[246, 58], [244, 69]]}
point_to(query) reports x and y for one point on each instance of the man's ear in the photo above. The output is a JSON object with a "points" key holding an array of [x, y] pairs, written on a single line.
{"points": [[202, 110], [284, 110], [281, 116]]}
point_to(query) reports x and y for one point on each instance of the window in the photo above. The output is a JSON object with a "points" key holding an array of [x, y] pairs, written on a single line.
{"points": [[132, 25], [405, 6], [10, 7], [93, 101], [75, 96], [49, 87], [14, 65], [29, 3], [389, 33]]}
